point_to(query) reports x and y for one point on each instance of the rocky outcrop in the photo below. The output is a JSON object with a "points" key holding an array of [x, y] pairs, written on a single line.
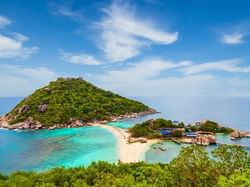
{"points": [[29, 123], [240, 134], [204, 140], [23, 109], [42, 107]]}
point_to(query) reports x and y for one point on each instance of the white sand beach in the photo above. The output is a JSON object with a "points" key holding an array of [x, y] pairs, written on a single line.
{"points": [[128, 152]]}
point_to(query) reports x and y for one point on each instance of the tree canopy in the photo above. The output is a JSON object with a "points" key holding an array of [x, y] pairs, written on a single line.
{"points": [[150, 128]]}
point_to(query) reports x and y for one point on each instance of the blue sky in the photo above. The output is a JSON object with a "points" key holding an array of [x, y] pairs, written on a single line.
{"points": [[135, 48]]}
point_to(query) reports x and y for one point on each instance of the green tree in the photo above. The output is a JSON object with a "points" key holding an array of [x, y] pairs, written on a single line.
{"points": [[192, 167], [239, 179], [231, 158]]}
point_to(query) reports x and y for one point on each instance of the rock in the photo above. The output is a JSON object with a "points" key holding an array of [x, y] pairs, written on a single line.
{"points": [[42, 107], [201, 140], [39, 126], [239, 134], [24, 108], [26, 126], [212, 139], [235, 134], [52, 128], [247, 135]]}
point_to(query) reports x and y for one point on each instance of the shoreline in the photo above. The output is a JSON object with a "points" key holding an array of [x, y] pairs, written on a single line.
{"points": [[31, 124], [128, 152]]}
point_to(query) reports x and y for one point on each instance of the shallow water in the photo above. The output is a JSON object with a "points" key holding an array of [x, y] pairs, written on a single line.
{"points": [[128, 123], [44, 149]]}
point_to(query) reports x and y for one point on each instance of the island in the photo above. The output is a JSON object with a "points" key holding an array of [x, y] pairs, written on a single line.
{"points": [[200, 133], [71, 102]]}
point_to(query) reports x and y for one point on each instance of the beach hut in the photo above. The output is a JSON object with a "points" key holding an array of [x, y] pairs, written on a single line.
{"points": [[166, 132]]}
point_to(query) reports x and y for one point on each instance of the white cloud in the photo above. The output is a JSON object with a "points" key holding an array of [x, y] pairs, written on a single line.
{"points": [[79, 58], [123, 35], [142, 70], [4, 21], [231, 66], [63, 10], [235, 34], [12, 46], [154, 79], [22, 81], [232, 39]]}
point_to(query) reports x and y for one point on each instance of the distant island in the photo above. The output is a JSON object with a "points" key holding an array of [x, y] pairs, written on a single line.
{"points": [[71, 102]]}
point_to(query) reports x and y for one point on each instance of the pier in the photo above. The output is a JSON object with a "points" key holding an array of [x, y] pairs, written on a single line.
{"points": [[175, 141]]}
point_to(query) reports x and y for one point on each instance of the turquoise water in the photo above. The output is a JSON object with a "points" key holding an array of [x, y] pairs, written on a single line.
{"points": [[128, 123], [44, 149], [173, 149]]}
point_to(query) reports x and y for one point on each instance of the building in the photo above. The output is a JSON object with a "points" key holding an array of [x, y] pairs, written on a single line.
{"points": [[170, 131]]}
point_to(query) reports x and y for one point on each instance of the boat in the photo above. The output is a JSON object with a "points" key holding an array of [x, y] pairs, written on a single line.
{"points": [[160, 148], [233, 138]]}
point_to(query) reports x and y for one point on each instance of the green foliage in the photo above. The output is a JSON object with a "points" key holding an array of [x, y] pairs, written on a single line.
{"points": [[239, 179], [224, 130], [193, 167], [177, 133], [74, 98], [209, 126], [162, 123], [194, 128], [144, 130], [214, 127], [150, 128], [231, 158]]}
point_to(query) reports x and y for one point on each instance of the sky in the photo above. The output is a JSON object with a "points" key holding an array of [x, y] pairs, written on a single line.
{"points": [[135, 48]]}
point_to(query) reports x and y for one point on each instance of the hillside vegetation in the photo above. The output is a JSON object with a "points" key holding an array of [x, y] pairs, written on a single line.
{"points": [[192, 168], [72, 98], [150, 128]]}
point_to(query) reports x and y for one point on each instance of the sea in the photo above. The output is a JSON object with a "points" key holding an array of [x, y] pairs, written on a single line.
{"points": [[45, 149]]}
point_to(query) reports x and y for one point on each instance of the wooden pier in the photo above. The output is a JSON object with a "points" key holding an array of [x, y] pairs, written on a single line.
{"points": [[175, 141]]}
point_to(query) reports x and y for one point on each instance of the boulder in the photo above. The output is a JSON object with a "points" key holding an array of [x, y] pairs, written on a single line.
{"points": [[39, 126], [26, 126], [202, 140], [42, 107], [235, 134], [53, 127], [24, 108]]}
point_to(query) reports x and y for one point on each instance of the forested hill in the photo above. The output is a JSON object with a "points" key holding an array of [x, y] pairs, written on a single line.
{"points": [[72, 98]]}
